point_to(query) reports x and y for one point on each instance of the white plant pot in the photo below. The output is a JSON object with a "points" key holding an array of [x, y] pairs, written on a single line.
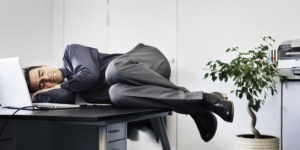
{"points": [[247, 142]]}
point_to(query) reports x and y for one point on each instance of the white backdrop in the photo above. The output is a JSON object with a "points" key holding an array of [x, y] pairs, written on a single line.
{"points": [[206, 29], [38, 30], [26, 30]]}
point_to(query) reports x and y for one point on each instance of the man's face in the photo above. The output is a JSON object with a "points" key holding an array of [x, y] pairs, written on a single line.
{"points": [[44, 77]]}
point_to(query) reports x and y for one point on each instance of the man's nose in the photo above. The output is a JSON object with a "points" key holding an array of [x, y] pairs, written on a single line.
{"points": [[45, 77]]}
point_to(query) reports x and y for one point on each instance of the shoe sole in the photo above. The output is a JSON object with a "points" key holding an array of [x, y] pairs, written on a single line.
{"points": [[232, 112]]}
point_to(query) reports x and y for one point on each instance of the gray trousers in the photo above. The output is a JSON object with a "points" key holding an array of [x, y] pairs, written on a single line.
{"points": [[140, 78]]}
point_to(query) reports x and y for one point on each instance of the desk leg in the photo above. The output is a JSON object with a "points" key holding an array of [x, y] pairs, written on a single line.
{"points": [[160, 126]]}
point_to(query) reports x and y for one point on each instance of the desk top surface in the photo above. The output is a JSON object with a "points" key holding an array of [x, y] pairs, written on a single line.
{"points": [[91, 114]]}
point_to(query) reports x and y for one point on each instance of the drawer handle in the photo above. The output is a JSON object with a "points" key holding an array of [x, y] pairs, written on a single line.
{"points": [[113, 131]]}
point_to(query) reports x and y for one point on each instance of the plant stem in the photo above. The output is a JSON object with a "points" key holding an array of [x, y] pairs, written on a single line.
{"points": [[253, 121]]}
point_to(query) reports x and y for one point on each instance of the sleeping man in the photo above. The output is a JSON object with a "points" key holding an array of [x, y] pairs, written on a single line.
{"points": [[136, 79]]}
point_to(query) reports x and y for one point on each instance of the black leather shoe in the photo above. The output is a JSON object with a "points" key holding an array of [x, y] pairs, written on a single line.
{"points": [[206, 123], [217, 104]]}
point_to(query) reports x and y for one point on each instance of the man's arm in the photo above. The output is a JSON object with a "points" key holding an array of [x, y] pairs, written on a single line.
{"points": [[82, 63], [45, 90], [55, 96]]}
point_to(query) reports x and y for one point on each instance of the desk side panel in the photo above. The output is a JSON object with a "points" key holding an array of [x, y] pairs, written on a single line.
{"points": [[37, 135], [6, 127], [6, 137]]}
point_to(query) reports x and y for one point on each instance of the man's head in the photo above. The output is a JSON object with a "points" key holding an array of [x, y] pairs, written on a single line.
{"points": [[42, 77]]}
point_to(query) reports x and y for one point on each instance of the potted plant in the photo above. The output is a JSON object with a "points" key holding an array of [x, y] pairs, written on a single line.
{"points": [[254, 77]]}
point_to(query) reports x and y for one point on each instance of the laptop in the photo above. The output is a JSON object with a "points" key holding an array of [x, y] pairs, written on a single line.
{"points": [[14, 92]]}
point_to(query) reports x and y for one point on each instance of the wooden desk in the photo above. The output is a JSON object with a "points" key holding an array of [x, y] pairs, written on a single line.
{"points": [[89, 128]]}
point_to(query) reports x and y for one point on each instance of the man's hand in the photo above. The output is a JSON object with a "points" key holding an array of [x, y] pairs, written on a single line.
{"points": [[44, 90]]}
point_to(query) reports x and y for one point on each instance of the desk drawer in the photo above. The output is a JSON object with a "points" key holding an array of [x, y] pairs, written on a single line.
{"points": [[8, 130], [116, 131], [117, 145]]}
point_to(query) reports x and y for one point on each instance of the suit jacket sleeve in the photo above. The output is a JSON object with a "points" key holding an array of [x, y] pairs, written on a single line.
{"points": [[83, 66], [56, 96]]}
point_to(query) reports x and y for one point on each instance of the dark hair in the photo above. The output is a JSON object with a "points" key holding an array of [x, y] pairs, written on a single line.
{"points": [[26, 74]]}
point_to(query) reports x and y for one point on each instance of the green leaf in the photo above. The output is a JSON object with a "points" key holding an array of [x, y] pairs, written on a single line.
{"points": [[241, 95], [256, 105], [283, 79], [212, 74], [249, 97], [208, 63], [250, 90], [214, 78], [221, 78], [226, 79], [255, 93], [206, 75]]}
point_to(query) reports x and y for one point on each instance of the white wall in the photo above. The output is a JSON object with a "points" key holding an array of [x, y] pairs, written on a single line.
{"points": [[206, 29], [26, 30], [85, 22], [58, 32]]}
